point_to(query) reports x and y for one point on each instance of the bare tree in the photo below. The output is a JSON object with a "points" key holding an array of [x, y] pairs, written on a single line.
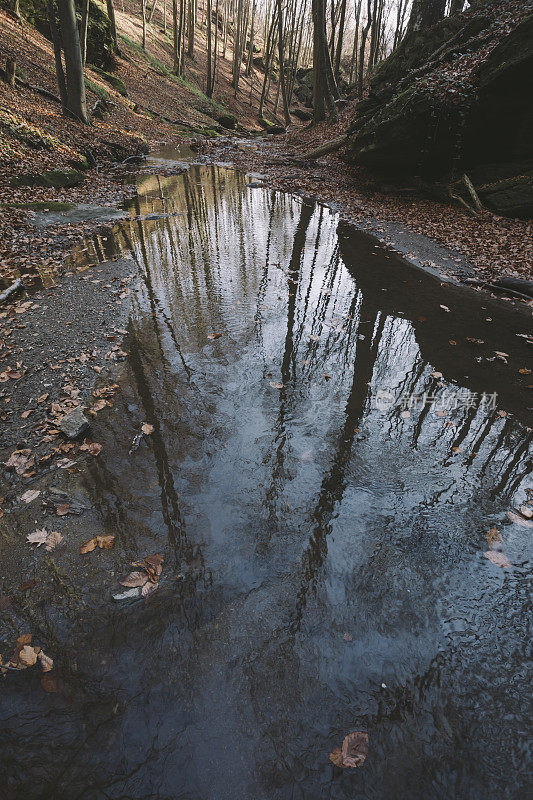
{"points": [[71, 80]]}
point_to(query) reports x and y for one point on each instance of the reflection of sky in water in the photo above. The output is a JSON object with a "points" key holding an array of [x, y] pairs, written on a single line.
{"points": [[313, 514]]}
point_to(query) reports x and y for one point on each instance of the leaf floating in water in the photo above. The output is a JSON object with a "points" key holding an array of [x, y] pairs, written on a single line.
{"points": [[405, 414], [307, 457], [103, 542], [336, 757], [494, 538], [149, 588], [327, 376], [213, 335], [526, 511], [445, 308], [437, 374], [277, 385], [147, 429], [134, 579], [497, 558], [353, 752], [516, 516]]}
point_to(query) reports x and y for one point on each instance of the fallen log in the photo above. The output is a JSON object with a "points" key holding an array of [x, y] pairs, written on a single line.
{"points": [[327, 147], [38, 89]]}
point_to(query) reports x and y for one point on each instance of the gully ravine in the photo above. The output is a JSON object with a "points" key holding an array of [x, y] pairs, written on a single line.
{"points": [[334, 434]]}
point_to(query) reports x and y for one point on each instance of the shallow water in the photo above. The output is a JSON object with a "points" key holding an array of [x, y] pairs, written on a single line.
{"points": [[324, 555]]}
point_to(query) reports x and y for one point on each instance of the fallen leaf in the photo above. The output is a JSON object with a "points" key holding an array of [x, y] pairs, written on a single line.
{"points": [[497, 558], [494, 538], [516, 516], [445, 308], [348, 637], [27, 585], [147, 429], [53, 539], [37, 537], [134, 579], [149, 588], [355, 749], [89, 546], [27, 656], [437, 374], [31, 494], [45, 661], [336, 757], [353, 752], [213, 335], [105, 542], [277, 385], [62, 509], [91, 447], [20, 461], [526, 511], [405, 414]]}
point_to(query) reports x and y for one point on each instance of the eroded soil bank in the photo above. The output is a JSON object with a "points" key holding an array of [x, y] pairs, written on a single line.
{"points": [[330, 440]]}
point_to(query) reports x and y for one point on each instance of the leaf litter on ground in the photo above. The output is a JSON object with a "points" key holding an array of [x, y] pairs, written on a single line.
{"points": [[144, 581]]}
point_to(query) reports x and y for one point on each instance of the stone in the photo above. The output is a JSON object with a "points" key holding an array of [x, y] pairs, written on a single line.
{"points": [[55, 178], [74, 423]]}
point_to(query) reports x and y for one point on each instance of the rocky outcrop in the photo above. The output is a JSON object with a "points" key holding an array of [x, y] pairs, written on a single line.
{"points": [[455, 99]]}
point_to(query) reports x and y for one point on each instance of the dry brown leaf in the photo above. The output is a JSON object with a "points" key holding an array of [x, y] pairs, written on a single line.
{"points": [[24, 639], [62, 509], [134, 579], [89, 546], [37, 537], [53, 539], [147, 429], [29, 495], [355, 749], [515, 516], [276, 385], [213, 335], [105, 542], [336, 757], [27, 656], [437, 374], [45, 661], [526, 511], [20, 461], [149, 588], [497, 558], [494, 538]]}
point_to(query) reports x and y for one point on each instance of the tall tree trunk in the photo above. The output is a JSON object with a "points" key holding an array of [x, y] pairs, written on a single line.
{"points": [[192, 27], [144, 23], [175, 37], [364, 34], [340, 38], [209, 89], [282, 76], [113, 24], [215, 56], [56, 41], [76, 104], [83, 30]]}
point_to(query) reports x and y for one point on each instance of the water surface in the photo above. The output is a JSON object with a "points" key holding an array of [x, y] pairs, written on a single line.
{"points": [[324, 550]]}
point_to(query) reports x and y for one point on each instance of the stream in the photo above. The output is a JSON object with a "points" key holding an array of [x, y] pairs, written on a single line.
{"points": [[335, 432]]}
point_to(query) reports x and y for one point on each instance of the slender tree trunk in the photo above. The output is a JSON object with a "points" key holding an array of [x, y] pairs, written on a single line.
{"points": [[113, 24], [209, 89], [144, 23], [56, 41], [84, 29], [340, 38], [175, 39], [215, 56], [76, 104], [361, 65], [192, 28], [282, 75]]}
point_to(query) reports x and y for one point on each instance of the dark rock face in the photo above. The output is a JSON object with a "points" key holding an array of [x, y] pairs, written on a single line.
{"points": [[406, 127]]}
